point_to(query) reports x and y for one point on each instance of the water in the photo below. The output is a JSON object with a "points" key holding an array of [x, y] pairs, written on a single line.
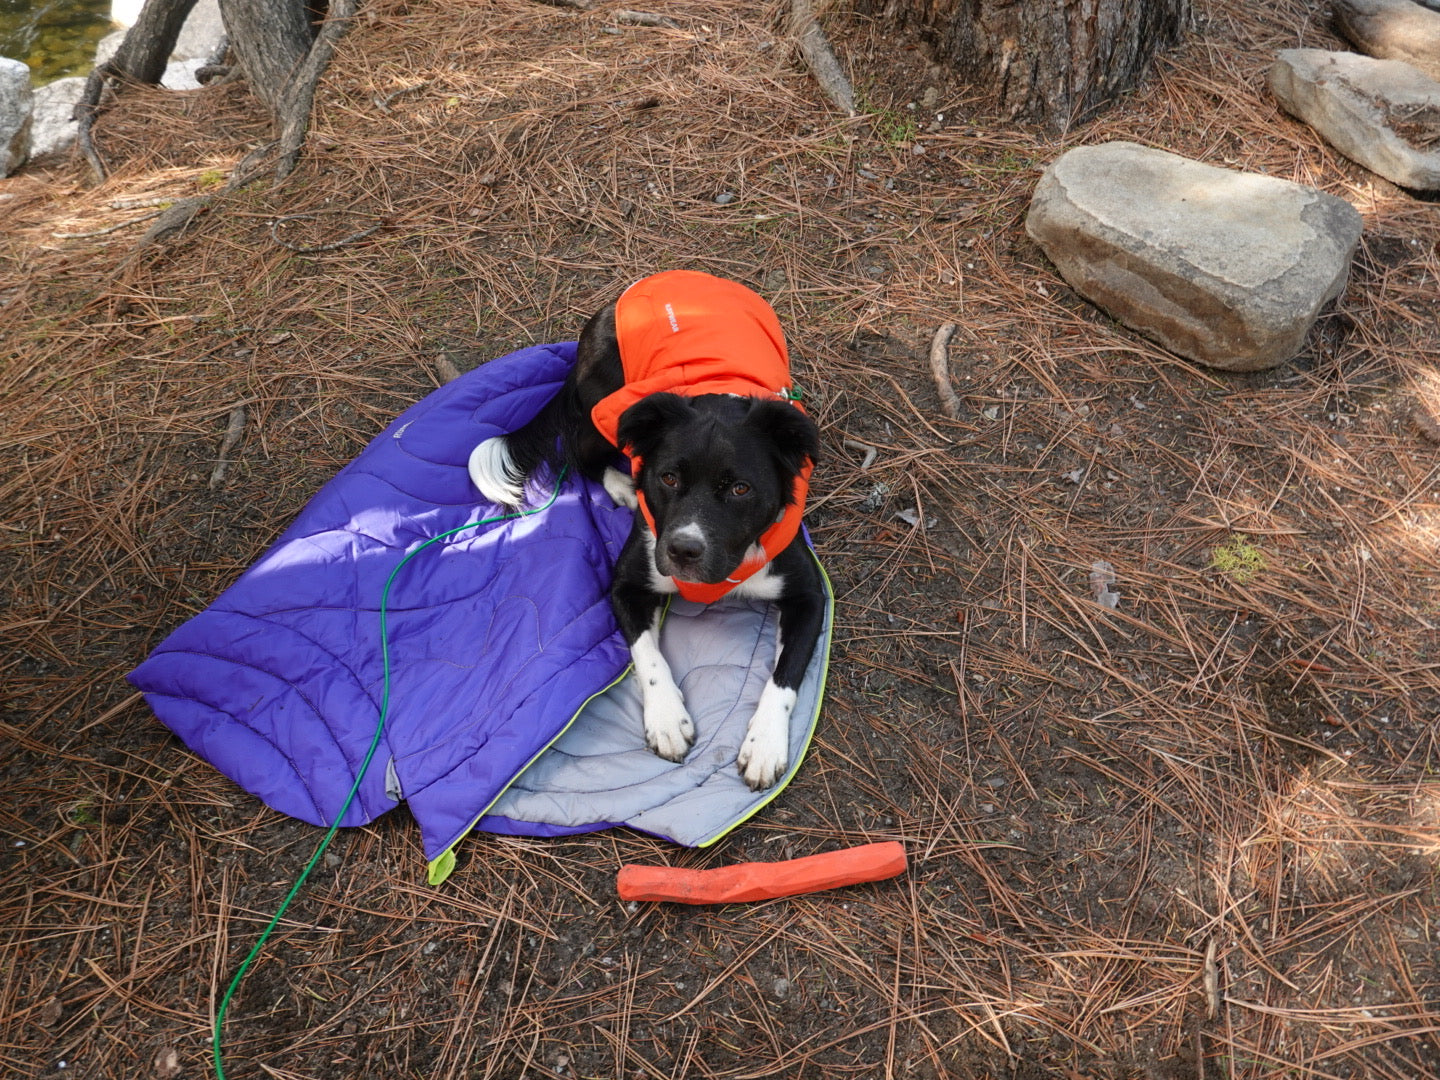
{"points": [[55, 37]]}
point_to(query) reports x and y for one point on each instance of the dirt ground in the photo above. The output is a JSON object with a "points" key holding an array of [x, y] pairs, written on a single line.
{"points": [[1192, 836]]}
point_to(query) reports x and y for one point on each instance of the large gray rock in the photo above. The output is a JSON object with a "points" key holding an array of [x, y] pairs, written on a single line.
{"points": [[1223, 267], [53, 129], [202, 33], [1382, 113], [15, 105], [109, 45], [1392, 30]]}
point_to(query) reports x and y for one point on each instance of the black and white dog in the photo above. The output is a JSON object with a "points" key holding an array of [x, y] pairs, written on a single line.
{"points": [[688, 376]]}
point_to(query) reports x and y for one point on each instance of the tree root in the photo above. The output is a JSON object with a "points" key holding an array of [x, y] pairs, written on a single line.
{"points": [[819, 57], [299, 96], [86, 109]]}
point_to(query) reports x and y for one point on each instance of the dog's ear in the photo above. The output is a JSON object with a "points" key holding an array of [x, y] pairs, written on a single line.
{"points": [[644, 424], [793, 434]]}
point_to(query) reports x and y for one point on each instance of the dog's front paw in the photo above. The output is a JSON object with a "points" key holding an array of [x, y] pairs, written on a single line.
{"points": [[669, 731], [620, 488], [765, 754]]}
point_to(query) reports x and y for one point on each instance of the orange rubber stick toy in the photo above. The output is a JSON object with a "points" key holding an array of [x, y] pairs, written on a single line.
{"points": [[745, 882]]}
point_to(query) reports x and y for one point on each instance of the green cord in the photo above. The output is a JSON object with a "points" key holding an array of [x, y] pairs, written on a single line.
{"points": [[364, 764]]}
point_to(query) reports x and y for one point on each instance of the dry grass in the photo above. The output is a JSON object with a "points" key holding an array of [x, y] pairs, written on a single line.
{"points": [[1194, 836]]}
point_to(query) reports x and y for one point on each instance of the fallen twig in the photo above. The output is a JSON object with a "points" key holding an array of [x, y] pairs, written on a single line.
{"points": [[940, 369], [107, 230], [317, 248], [383, 104], [645, 18], [870, 452], [233, 431], [1212, 983], [161, 201]]}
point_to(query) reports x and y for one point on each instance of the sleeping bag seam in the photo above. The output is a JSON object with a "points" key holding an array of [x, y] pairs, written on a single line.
{"points": [[267, 620]]}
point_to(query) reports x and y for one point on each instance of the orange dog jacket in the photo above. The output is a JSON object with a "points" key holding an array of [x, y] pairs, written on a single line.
{"points": [[687, 333]]}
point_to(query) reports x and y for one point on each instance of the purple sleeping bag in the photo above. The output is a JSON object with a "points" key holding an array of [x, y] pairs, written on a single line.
{"points": [[498, 636]]}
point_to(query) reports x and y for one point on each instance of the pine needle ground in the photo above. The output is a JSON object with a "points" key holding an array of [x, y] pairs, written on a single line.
{"points": [[1192, 835]]}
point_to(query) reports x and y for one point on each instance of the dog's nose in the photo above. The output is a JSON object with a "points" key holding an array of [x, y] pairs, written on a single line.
{"points": [[685, 548]]}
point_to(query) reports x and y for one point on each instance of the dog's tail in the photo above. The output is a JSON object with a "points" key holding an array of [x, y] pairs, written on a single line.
{"points": [[500, 466]]}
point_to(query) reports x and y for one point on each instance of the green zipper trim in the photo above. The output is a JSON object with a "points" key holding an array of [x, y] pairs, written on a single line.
{"points": [[814, 717], [440, 867], [444, 864]]}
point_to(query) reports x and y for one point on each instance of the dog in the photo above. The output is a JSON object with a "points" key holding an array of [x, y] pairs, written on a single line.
{"points": [[687, 375]]}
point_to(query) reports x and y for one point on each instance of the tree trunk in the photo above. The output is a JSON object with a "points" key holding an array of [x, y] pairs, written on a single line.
{"points": [[280, 50], [143, 55], [1054, 61], [270, 38]]}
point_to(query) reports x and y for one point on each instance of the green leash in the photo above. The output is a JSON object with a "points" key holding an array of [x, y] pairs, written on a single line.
{"points": [[364, 764]]}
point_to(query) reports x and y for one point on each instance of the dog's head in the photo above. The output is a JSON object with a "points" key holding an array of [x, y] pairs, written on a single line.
{"points": [[717, 471]]}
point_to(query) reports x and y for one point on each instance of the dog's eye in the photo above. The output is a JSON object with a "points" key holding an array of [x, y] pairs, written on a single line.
{"points": [[739, 488], [670, 479]]}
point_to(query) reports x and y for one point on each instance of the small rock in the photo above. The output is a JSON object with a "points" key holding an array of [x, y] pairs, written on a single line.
{"points": [[15, 105], [911, 517], [109, 45], [167, 1063], [1102, 576], [782, 988], [180, 74], [876, 498], [1224, 267], [1383, 114], [1392, 30], [725, 198]]}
